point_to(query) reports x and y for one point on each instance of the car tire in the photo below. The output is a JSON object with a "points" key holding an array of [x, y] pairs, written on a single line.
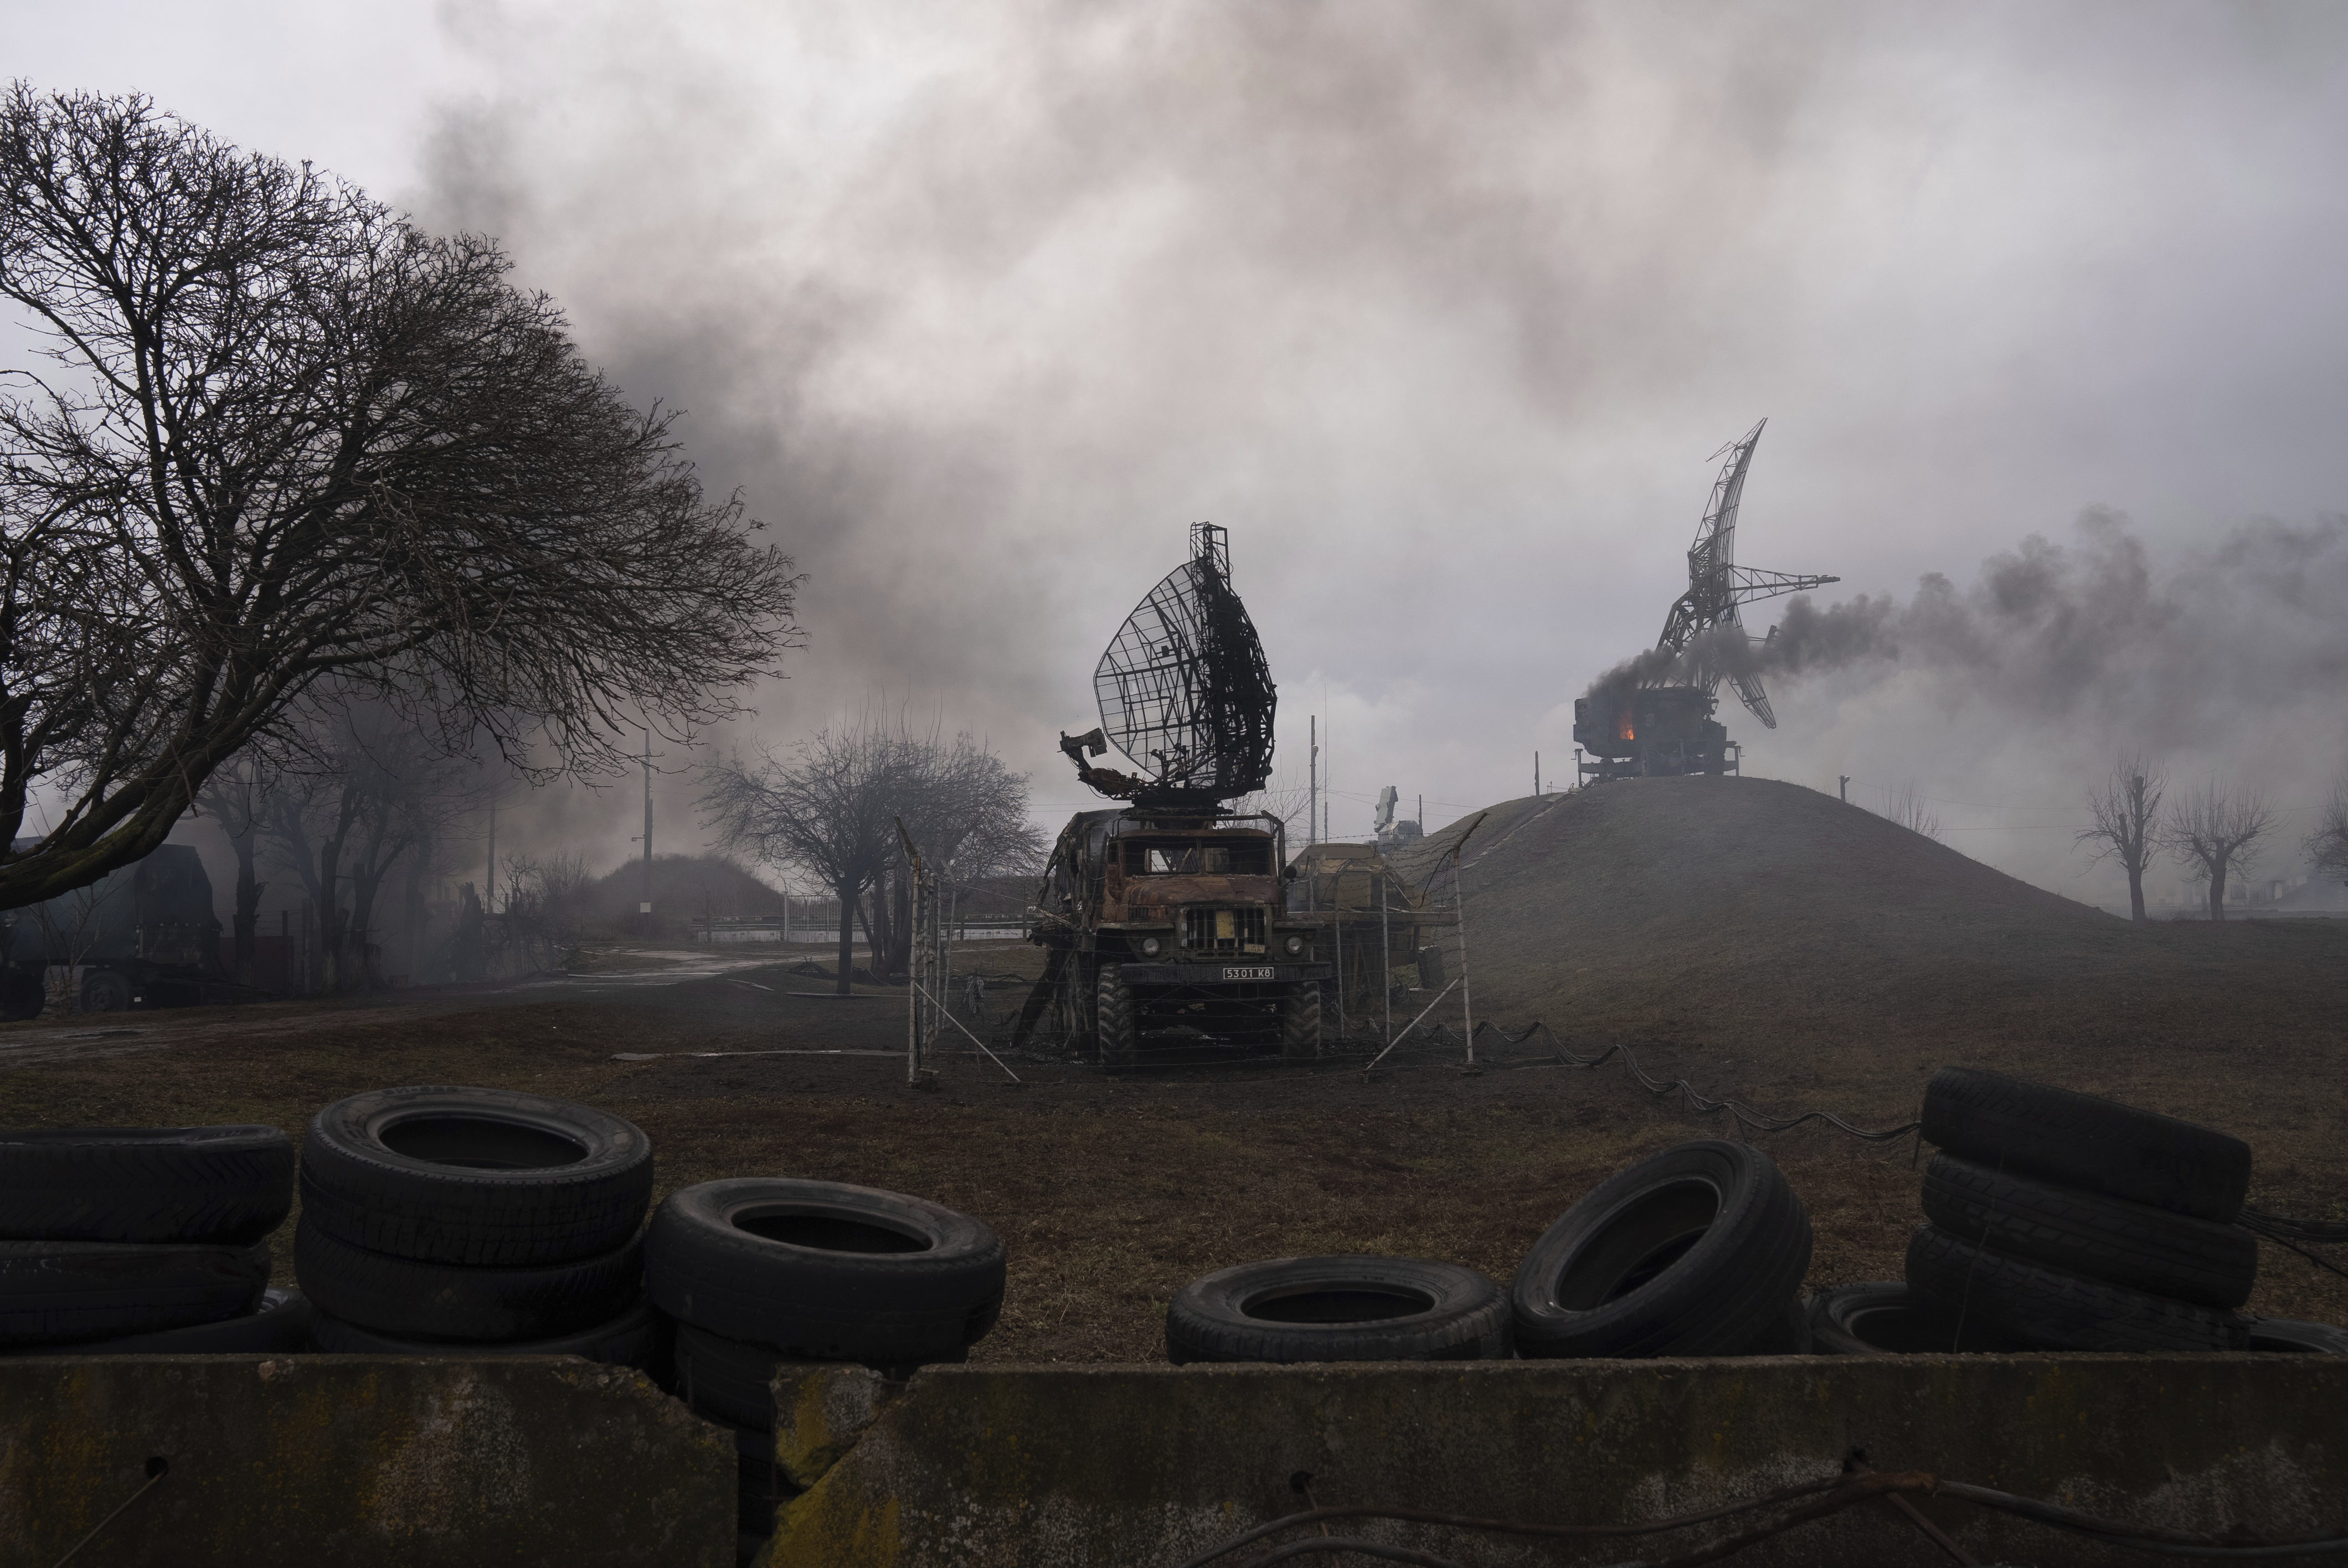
{"points": [[213, 1186], [280, 1323], [824, 1271], [2111, 1239], [1884, 1317], [639, 1337], [479, 1176], [76, 1292], [2290, 1337], [104, 992], [1694, 1252], [1300, 1022], [460, 1302], [1340, 1308], [2088, 1141], [2049, 1309], [1112, 1018]]}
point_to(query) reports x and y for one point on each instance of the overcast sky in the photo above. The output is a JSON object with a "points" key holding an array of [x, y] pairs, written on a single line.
{"points": [[1442, 310]]}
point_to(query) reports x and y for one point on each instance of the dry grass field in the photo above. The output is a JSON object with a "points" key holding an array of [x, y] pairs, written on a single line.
{"points": [[1760, 940]]}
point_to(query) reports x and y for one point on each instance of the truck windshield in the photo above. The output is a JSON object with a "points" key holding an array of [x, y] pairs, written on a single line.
{"points": [[1247, 857]]}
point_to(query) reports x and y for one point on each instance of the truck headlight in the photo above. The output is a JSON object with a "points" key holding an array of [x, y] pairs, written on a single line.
{"points": [[1294, 945], [1150, 946]]}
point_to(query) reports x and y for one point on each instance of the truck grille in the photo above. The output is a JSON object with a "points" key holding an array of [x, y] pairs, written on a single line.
{"points": [[1221, 931]]}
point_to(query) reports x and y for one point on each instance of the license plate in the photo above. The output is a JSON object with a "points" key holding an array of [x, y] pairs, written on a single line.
{"points": [[1249, 974]]}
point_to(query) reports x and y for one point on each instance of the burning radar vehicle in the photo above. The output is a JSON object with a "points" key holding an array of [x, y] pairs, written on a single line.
{"points": [[1168, 918], [1632, 726]]}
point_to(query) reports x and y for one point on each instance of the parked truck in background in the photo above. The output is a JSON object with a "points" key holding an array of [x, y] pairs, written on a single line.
{"points": [[145, 935]]}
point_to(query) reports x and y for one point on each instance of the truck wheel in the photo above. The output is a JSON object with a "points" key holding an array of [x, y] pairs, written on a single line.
{"points": [[1112, 1018], [104, 992], [1300, 1022], [22, 996]]}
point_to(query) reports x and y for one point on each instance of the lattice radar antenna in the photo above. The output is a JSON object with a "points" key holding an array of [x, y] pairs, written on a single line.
{"points": [[1718, 586], [1184, 692]]}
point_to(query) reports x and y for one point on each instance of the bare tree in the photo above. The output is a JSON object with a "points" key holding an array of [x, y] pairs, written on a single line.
{"points": [[832, 810], [2216, 833], [2327, 846], [1907, 808], [2126, 814], [369, 790], [542, 907], [294, 445], [236, 797]]}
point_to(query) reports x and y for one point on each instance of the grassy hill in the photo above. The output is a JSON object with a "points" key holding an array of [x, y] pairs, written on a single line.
{"points": [[1769, 941]]}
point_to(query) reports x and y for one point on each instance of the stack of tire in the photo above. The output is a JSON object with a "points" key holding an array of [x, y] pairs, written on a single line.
{"points": [[1699, 1251], [448, 1221], [144, 1240], [2062, 1221], [763, 1272]]}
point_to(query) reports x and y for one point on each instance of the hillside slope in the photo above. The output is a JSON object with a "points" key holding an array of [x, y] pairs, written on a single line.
{"points": [[1733, 909]]}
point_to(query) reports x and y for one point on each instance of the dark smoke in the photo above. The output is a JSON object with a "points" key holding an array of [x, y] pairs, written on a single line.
{"points": [[2090, 634]]}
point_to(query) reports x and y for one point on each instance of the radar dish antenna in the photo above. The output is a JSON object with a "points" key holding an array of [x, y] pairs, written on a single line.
{"points": [[1184, 692], [1718, 585]]}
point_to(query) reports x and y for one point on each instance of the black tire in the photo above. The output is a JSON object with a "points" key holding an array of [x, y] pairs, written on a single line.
{"points": [[637, 1338], [1112, 1018], [219, 1186], [75, 1292], [732, 1380], [2085, 1141], [480, 1176], [825, 1271], [22, 996], [104, 992], [2134, 1245], [1788, 1334], [456, 1303], [2290, 1337], [1695, 1252], [1884, 1317], [280, 1323], [2048, 1309], [1343, 1309], [1300, 1022]]}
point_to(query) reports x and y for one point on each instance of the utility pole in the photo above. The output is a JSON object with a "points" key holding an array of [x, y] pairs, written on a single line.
{"points": [[1312, 784], [1536, 774], [647, 909], [1842, 788], [490, 879]]}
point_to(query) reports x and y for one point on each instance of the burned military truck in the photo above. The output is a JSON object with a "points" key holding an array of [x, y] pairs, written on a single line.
{"points": [[145, 935], [1166, 921]]}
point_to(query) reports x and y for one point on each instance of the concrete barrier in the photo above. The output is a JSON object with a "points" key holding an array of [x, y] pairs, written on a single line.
{"points": [[1058, 1466], [356, 1461], [359, 1461]]}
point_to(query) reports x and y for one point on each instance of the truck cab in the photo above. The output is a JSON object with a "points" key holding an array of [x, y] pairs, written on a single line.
{"points": [[1177, 925]]}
